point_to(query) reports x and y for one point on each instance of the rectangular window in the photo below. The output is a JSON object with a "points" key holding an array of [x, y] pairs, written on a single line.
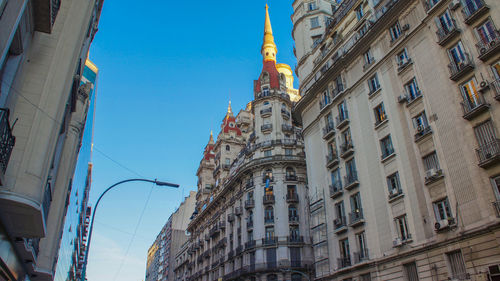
{"points": [[402, 58], [343, 114], [340, 213], [268, 153], [442, 210], [486, 32], [402, 228], [345, 253], [395, 31], [351, 173], [445, 23], [250, 235], [338, 84], [288, 152], [470, 94], [420, 122], [366, 277], [457, 55], [269, 232], [325, 99], [412, 90], [336, 181], [485, 134], [431, 165], [394, 185], [373, 83], [457, 265], [311, 6], [386, 146], [316, 40], [362, 253], [380, 115], [368, 57], [359, 12], [314, 22], [2, 5], [356, 208], [410, 271], [332, 151]]}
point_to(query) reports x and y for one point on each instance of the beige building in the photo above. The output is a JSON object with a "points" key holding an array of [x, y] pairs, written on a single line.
{"points": [[43, 49], [251, 217], [400, 114], [160, 263]]}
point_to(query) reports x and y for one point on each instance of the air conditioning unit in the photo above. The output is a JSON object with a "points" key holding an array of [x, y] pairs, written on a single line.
{"points": [[431, 173], [402, 99], [405, 27], [441, 224], [397, 242], [483, 85], [454, 4]]}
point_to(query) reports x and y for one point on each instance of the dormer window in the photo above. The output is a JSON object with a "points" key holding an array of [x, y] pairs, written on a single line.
{"points": [[265, 91]]}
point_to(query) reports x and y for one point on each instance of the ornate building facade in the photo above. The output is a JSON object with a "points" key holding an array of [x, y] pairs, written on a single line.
{"points": [[400, 114], [251, 218]]}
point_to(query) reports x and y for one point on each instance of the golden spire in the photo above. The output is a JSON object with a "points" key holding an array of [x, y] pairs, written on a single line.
{"points": [[229, 110], [269, 49], [211, 141]]}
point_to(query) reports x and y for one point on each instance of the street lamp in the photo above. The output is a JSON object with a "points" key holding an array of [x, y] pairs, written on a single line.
{"points": [[157, 182]]}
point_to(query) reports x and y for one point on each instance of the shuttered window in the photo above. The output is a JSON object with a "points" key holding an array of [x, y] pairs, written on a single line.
{"points": [[410, 270], [485, 133], [457, 265]]}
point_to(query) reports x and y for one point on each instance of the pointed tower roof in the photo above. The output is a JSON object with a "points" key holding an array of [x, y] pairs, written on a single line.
{"points": [[211, 140], [268, 49], [229, 111]]}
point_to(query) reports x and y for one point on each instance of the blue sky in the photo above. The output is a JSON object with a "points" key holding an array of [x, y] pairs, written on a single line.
{"points": [[167, 69]]}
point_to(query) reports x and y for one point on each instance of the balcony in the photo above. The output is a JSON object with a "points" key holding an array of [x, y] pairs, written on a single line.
{"points": [[269, 241], [340, 224], [446, 34], [495, 85], [433, 174], [250, 245], [238, 211], [329, 130], [332, 160], [488, 49], [474, 107], [266, 128], [489, 154], [293, 219], [239, 249], [361, 256], [269, 219], [295, 239], [422, 131], [214, 231], [249, 224], [335, 190], [458, 70], [250, 203], [346, 149], [266, 112], [268, 199], [430, 4], [292, 198], [356, 218], [7, 141], [285, 113], [249, 184], [291, 177], [230, 217], [351, 180], [403, 64], [343, 262], [342, 120], [287, 128], [222, 225], [324, 102], [496, 206], [473, 10], [45, 13]]}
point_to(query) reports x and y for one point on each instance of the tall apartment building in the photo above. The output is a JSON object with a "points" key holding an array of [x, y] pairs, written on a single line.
{"points": [[161, 255], [400, 113], [71, 257], [43, 49], [251, 217]]}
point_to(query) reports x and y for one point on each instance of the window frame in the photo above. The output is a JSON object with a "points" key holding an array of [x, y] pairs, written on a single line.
{"points": [[314, 21], [402, 228], [386, 146], [442, 207], [380, 114], [395, 31]]}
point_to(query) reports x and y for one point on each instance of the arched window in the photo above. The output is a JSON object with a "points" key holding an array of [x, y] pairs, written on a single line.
{"points": [[269, 214], [228, 148], [296, 277], [292, 213]]}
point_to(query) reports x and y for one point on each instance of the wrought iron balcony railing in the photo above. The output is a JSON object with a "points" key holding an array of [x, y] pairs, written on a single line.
{"points": [[7, 140], [489, 153]]}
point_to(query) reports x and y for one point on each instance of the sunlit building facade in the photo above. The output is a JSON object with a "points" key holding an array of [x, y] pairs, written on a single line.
{"points": [[251, 220], [43, 110], [401, 116]]}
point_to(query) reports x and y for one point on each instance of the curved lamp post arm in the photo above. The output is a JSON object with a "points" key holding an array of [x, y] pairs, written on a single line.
{"points": [[159, 183]]}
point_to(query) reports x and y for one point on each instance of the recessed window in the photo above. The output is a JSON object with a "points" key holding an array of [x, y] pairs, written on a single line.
{"points": [[268, 153], [380, 115], [402, 228], [288, 151], [265, 91], [345, 254], [410, 271], [394, 185], [445, 23], [395, 31], [228, 148], [386, 146], [336, 181], [314, 22], [373, 83], [442, 210], [456, 262], [420, 122], [316, 40], [471, 95], [431, 163], [412, 90], [311, 6], [368, 57], [487, 33], [402, 58], [458, 57]]}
